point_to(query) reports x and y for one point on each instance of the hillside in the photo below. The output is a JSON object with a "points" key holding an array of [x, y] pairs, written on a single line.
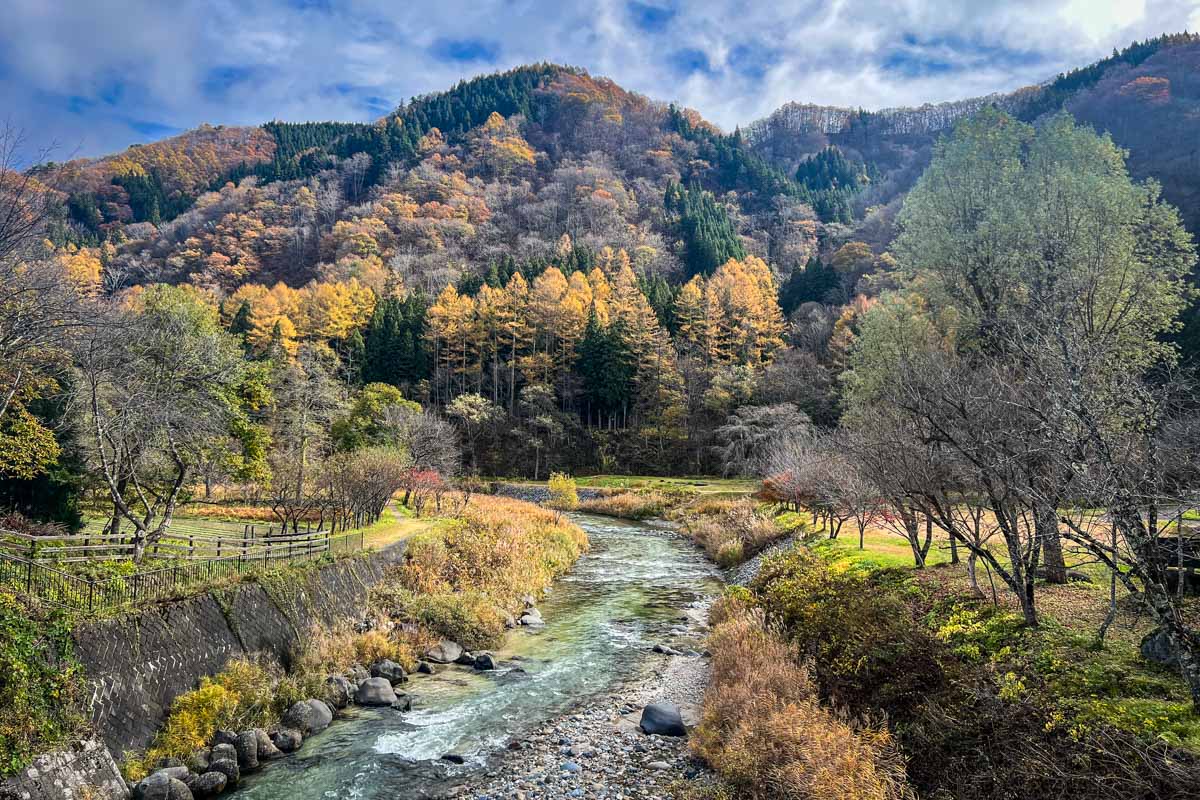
{"points": [[547, 231]]}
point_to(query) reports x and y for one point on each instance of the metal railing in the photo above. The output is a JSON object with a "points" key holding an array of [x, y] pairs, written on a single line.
{"points": [[41, 578]]}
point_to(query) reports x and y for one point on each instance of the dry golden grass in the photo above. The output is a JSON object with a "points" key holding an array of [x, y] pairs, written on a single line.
{"points": [[730, 531], [460, 578], [628, 505], [765, 733]]}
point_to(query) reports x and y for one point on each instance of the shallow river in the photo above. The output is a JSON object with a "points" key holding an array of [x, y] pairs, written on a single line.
{"points": [[620, 598]]}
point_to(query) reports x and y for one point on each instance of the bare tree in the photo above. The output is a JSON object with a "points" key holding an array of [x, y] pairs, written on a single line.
{"points": [[38, 302]]}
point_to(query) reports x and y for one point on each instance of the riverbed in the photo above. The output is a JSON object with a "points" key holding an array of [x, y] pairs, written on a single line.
{"points": [[634, 588]]}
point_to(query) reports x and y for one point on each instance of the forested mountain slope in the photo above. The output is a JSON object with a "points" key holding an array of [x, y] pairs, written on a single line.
{"points": [[610, 276]]}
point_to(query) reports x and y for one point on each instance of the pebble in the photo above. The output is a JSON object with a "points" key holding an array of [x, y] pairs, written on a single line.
{"points": [[595, 750]]}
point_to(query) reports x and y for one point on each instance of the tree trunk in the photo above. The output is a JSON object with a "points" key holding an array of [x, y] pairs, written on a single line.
{"points": [[1046, 528]]}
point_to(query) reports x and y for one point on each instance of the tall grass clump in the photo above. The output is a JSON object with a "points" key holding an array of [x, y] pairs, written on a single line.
{"points": [[239, 697], [765, 733], [463, 579], [730, 531], [641, 504]]}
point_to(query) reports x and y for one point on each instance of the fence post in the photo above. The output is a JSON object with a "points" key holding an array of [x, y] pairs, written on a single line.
{"points": [[91, 594]]}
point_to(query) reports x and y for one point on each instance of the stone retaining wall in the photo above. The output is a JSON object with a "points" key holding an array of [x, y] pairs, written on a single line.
{"points": [[138, 664], [534, 493], [84, 770]]}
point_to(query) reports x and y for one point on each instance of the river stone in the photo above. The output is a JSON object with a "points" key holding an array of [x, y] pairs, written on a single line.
{"points": [[390, 670], [227, 767], [224, 737], [178, 773], [403, 702], [454, 758], [485, 661], [308, 717], [162, 786], [247, 751], [666, 650], [267, 751], [198, 761], [662, 719], [509, 620], [224, 752], [529, 600], [425, 668], [375, 692], [466, 658], [444, 652], [338, 691], [287, 740], [532, 618], [357, 674], [210, 784]]}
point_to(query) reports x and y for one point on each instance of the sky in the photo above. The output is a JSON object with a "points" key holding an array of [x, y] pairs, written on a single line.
{"points": [[88, 77]]}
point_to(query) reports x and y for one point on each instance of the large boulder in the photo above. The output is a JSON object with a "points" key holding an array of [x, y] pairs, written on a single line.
{"points": [[357, 674], [388, 669], [485, 661], [662, 719], [532, 618], [287, 740], [267, 751], [308, 717], [225, 761], [247, 751], [338, 691], [375, 692], [209, 784], [161, 786], [444, 652]]}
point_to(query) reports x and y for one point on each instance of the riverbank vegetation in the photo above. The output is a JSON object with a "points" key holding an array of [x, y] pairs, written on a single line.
{"points": [[40, 684], [465, 580], [979, 705], [765, 731]]}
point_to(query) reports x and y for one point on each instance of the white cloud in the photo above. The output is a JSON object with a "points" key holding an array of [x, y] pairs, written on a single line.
{"points": [[85, 73]]}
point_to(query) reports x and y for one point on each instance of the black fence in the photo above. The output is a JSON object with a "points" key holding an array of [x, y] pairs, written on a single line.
{"points": [[62, 588]]}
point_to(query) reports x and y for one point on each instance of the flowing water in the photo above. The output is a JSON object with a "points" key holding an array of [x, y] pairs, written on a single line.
{"points": [[624, 595]]}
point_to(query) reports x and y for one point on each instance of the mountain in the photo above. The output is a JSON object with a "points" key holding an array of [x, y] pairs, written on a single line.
{"points": [[585, 272]]}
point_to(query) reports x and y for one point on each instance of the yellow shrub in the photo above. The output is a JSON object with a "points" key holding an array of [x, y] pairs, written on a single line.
{"points": [[240, 696], [563, 493]]}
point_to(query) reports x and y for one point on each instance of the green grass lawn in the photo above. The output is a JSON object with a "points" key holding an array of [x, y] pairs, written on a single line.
{"points": [[397, 524]]}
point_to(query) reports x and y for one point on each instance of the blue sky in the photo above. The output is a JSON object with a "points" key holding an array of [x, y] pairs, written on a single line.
{"points": [[88, 77]]}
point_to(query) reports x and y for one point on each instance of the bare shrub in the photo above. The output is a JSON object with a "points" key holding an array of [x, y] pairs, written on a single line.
{"points": [[766, 734]]}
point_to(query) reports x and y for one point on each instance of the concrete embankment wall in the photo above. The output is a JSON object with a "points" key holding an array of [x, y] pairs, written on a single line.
{"points": [[137, 664]]}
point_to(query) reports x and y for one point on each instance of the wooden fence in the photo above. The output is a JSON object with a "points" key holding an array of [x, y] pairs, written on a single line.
{"points": [[39, 566]]}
